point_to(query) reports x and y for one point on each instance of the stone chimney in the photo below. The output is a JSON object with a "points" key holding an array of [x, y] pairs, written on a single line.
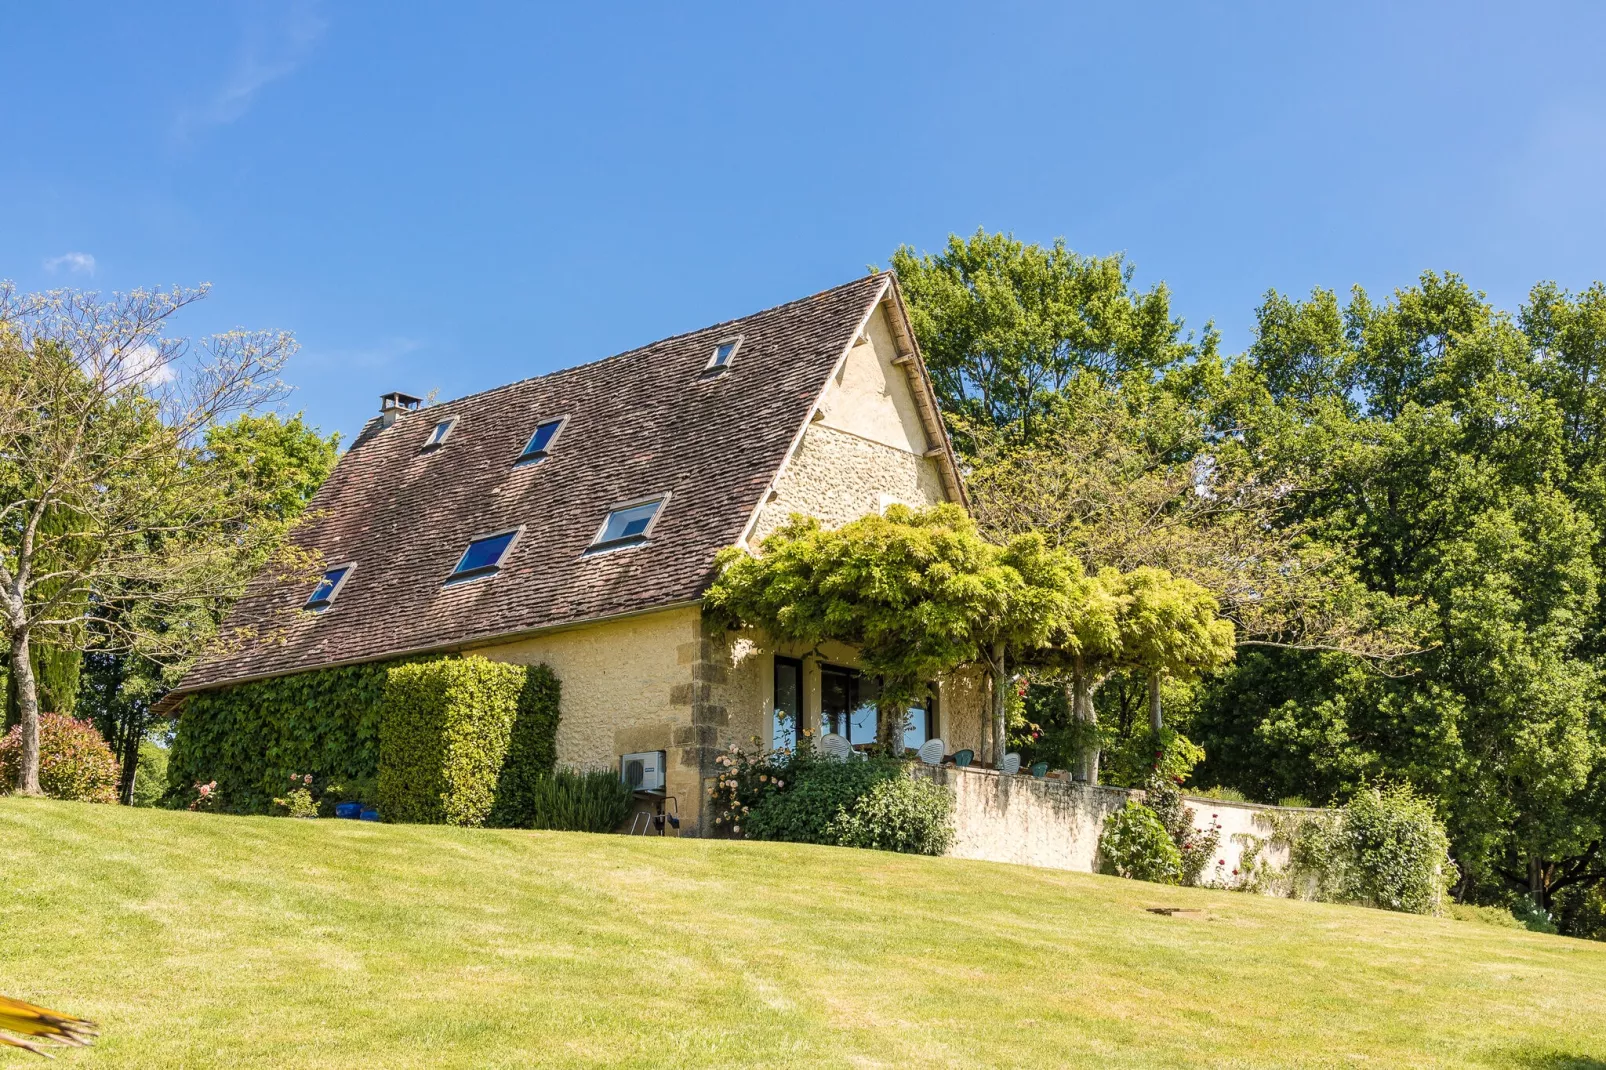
{"points": [[395, 403]]}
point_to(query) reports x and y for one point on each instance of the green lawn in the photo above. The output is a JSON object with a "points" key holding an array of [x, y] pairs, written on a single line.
{"points": [[204, 941]]}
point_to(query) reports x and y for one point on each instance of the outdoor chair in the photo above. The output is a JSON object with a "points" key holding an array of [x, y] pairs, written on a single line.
{"points": [[1039, 770], [931, 751], [836, 746], [962, 757], [1011, 765]]}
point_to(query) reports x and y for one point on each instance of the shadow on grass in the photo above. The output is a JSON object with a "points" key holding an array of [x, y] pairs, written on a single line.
{"points": [[1529, 1059]]}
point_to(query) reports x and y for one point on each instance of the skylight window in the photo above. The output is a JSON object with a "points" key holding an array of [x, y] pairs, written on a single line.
{"points": [[629, 524], [328, 586], [484, 555], [541, 443], [438, 434], [724, 353]]}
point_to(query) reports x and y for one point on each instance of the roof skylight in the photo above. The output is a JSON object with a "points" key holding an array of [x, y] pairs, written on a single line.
{"points": [[541, 443], [437, 435], [629, 524], [724, 353], [484, 555], [328, 586]]}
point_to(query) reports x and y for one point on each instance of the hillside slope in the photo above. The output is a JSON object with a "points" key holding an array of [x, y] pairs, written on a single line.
{"points": [[203, 941]]}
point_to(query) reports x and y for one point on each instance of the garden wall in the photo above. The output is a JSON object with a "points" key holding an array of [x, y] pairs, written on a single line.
{"points": [[1055, 824]]}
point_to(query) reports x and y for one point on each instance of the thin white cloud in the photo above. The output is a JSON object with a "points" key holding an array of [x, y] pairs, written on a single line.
{"points": [[76, 263], [270, 52], [144, 364]]}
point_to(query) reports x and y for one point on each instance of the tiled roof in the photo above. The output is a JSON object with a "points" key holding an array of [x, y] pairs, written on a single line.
{"points": [[639, 424]]}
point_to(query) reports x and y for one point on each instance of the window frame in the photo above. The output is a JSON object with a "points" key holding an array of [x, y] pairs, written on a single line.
{"points": [[323, 604], [531, 457], [714, 367], [457, 575], [597, 546], [796, 665], [431, 444]]}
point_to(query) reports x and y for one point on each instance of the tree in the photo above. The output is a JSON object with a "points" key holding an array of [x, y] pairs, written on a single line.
{"points": [[103, 417], [275, 465], [1006, 327], [918, 593]]}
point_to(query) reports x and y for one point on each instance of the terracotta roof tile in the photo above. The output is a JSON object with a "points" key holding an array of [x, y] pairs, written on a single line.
{"points": [[640, 423]]}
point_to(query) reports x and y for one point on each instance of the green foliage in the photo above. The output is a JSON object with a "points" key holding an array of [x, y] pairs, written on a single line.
{"points": [[1580, 910], [1533, 917], [1221, 794], [568, 800], [1399, 851], [523, 787], [251, 737], [1195, 846], [908, 813], [150, 776], [74, 761], [445, 739], [1005, 327], [1135, 844], [816, 791], [276, 464]]}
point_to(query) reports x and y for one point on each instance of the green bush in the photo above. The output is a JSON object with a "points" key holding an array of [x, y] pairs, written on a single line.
{"points": [[1581, 910], [907, 813], [250, 737], [74, 761], [1399, 852], [447, 734], [1195, 846], [1135, 844], [817, 790], [568, 800], [1220, 794]]}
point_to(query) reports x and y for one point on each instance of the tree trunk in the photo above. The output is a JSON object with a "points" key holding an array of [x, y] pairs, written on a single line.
{"points": [[133, 735], [1155, 720], [1000, 705], [891, 720], [28, 707], [1084, 713]]}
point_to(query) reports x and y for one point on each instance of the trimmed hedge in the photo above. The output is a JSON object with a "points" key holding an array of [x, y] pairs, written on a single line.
{"points": [[569, 800], [251, 737], [461, 741]]}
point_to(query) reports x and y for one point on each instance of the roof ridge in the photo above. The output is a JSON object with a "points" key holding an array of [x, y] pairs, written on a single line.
{"points": [[657, 342]]}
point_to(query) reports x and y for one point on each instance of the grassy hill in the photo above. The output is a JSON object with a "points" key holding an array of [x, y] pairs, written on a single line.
{"points": [[203, 941]]}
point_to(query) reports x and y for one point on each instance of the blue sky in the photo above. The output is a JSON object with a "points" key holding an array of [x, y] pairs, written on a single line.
{"points": [[452, 196]]}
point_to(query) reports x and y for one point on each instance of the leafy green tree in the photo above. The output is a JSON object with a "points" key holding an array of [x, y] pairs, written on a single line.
{"points": [[1006, 327], [916, 592]]}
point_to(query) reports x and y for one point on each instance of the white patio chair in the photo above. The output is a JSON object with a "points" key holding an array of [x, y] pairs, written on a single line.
{"points": [[836, 746], [931, 751], [1010, 765]]}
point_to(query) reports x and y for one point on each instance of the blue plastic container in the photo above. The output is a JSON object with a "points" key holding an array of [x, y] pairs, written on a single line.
{"points": [[370, 815], [350, 811]]}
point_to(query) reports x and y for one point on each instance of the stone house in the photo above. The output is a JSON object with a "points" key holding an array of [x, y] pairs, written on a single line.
{"points": [[572, 519]]}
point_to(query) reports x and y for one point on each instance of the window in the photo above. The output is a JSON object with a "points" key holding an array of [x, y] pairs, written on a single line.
{"points": [[629, 524], [724, 353], [329, 586], [484, 555], [922, 721], [788, 703], [541, 443], [437, 435], [847, 704]]}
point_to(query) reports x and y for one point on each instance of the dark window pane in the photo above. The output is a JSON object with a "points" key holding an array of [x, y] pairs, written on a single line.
{"points": [[439, 433], [485, 553], [542, 437], [326, 586], [629, 523], [788, 702], [722, 355]]}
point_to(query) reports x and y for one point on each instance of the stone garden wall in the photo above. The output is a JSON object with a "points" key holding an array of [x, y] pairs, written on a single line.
{"points": [[1055, 824]]}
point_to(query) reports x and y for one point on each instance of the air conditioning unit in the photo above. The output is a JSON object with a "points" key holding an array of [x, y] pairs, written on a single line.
{"points": [[643, 771]]}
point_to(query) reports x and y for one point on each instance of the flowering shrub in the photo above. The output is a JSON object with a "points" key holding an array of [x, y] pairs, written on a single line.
{"points": [[299, 803], [1134, 844], [905, 813], [745, 779], [206, 798], [1196, 847], [74, 761]]}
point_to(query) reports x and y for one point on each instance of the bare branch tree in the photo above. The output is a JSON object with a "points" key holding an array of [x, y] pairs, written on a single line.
{"points": [[110, 525]]}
